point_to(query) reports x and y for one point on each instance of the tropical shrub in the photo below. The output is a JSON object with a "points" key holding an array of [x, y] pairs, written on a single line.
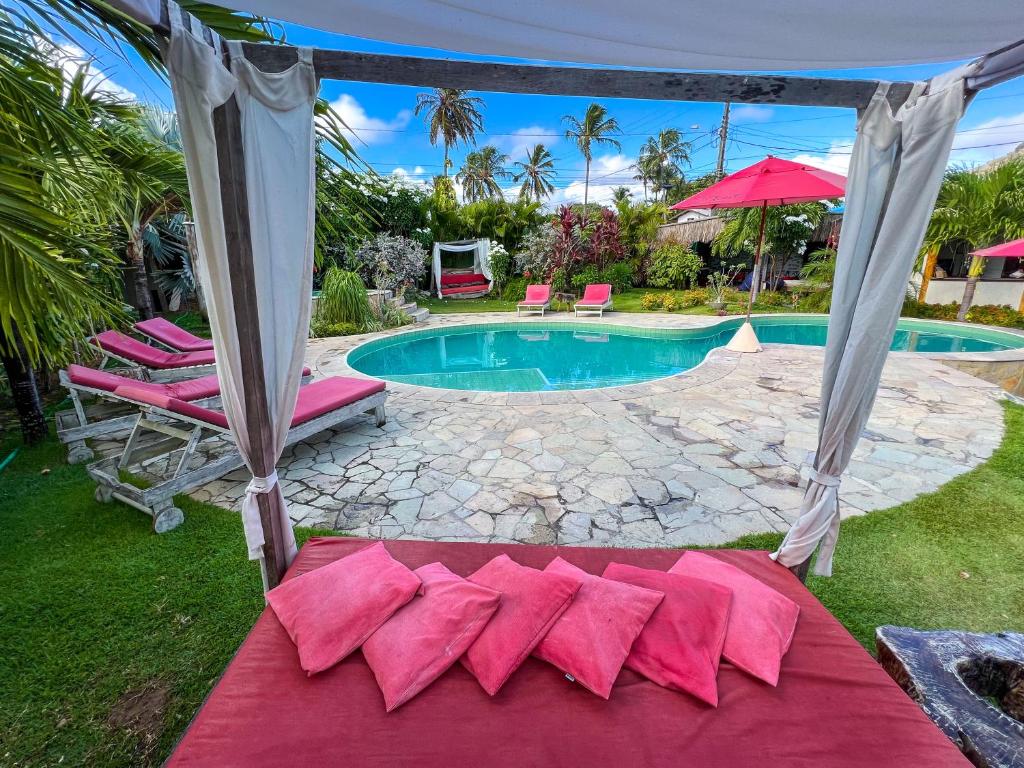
{"points": [[342, 299], [669, 303], [773, 300], [560, 281], [605, 242], [650, 302], [586, 276], [674, 266], [536, 253], [695, 297], [391, 262], [515, 289], [992, 314], [817, 275], [501, 264], [321, 330], [384, 314], [619, 275], [920, 309]]}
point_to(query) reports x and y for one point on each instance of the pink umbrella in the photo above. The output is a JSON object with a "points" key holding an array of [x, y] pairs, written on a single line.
{"points": [[772, 181], [1014, 248]]}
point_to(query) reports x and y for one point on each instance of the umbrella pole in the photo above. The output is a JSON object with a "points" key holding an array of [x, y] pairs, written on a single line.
{"points": [[756, 277]]}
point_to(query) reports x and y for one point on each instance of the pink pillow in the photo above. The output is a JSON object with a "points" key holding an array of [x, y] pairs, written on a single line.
{"points": [[762, 622], [423, 639], [531, 601], [329, 612], [682, 643], [591, 640]]}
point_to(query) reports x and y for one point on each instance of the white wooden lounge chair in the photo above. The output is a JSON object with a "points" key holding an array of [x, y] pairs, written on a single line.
{"points": [[596, 299], [148, 362], [538, 299], [180, 425]]}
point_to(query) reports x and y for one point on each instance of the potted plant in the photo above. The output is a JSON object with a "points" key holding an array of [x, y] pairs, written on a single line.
{"points": [[717, 284]]}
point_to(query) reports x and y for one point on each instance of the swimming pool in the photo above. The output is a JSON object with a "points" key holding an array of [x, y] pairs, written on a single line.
{"points": [[545, 356]]}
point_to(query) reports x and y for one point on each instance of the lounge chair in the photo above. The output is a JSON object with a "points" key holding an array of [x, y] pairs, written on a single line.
{"points": [[538, 298], [166, 334], [181, 425], [151, 363], [109, 413], [596, 298]]}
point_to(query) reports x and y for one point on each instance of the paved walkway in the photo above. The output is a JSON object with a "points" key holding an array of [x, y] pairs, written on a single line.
{"points": [[699, 458]]}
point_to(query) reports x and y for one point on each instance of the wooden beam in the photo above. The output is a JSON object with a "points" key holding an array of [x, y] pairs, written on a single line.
{"points": [[227, 127], [577, 81]]}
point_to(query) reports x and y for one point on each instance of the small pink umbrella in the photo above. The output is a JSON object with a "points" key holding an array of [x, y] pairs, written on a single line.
{"points": [[1012, 249], [773, 181]]}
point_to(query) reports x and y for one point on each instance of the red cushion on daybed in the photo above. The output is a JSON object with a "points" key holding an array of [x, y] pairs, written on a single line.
{"points": [[330, 611], [592, 638], [462, 278], [835, 707], [531, 601], [762, 622], [151, 357], [168, 333], [682, 643], [424, 638], [464, 289], [329, 394]]}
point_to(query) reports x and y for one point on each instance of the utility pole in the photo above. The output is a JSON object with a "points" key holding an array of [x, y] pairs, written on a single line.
{"points": [[723, 135]]}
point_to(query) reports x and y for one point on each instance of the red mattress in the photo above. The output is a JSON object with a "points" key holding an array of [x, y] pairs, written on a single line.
{"points": [[834, 705]]}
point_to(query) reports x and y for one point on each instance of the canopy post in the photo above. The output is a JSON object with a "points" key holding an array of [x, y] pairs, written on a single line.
{"points": [[227, 127]]}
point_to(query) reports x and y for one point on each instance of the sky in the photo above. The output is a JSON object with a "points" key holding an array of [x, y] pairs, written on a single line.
{"points": [[393, 140]]}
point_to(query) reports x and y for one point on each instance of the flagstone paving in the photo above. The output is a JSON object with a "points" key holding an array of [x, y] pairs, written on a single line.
{"points": [[699, 458]]}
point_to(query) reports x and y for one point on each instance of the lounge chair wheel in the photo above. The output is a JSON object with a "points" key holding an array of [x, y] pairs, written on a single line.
{"points": [[104, 494], [80, 453], [168, 519]]}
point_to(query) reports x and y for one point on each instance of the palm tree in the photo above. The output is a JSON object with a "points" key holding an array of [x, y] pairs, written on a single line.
{"points": [[536, 173], [621, 195], [661, 159], [595, 128], [451, 116], [480, 173], [979, 209]]}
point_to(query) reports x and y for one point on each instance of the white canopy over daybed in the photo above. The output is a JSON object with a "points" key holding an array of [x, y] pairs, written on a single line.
{"points": [[481, 259], [233, 102]]}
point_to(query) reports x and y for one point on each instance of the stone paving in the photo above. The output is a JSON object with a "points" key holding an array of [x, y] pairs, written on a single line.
{"points": [[698, 458]]}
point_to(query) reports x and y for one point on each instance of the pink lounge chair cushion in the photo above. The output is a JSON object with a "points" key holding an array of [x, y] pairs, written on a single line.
{"points": [[531, 602], [596, 295], [330, 611], [168, 333], [536, 295], [762, 621], [190, 389], [429, 634], [174, 405], [681, 645], [591, 639], [151, 357]]}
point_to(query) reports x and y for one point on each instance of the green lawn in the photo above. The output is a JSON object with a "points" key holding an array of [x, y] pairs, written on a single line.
{"points": [[112, 636]]}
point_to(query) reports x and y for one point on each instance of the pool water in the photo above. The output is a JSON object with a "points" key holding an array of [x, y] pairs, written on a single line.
{"points": [[539, 356]]}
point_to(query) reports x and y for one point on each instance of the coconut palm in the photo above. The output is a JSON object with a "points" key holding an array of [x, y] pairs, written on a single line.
{"points": [[451, 116], [980, 209], [596, 128], [536, 173], [661, 160], [480, 173], [621, 195]]}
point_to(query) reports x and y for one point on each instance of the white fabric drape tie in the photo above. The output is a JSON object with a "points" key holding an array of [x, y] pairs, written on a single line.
{"points": [[830, 481], [251, 512]]}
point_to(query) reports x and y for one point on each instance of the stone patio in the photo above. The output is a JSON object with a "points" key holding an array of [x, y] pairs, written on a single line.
{"points": [[698, 458]]}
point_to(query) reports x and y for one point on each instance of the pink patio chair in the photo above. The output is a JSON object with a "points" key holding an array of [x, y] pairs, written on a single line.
{"points": [[538, 298], [596, 298], [149, 362], [167, 334]]}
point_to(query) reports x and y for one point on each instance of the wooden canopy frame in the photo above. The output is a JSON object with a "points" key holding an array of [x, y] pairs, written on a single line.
{"points": [[477, 76]]}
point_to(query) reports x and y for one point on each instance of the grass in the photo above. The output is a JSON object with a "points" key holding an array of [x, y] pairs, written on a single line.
{"points": [[97, 614]]}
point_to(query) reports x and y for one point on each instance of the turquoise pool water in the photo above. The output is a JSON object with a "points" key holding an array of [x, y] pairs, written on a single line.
{"points": [[538, 356]]}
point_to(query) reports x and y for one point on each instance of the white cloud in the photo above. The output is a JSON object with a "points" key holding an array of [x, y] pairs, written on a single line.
{"points": [[837, 159], [519, 143], [72, 59], [363, 129], [751, 113], [1007, 131]]}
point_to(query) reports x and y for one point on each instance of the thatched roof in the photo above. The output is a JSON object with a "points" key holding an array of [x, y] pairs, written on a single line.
{"points": [[705, 230]]}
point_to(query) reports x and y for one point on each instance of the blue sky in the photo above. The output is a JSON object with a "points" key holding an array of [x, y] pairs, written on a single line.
{"points": [[392, 139]]}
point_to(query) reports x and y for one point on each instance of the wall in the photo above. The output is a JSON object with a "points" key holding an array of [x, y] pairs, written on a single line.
{"points": [[944, 291], [1008, 374]]}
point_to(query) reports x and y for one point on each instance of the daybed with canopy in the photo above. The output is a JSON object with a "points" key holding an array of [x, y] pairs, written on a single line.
{"points": [[463, 283], [246, 116]]}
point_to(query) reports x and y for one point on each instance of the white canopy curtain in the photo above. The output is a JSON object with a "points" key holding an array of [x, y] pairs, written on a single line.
{"points": [[481, 259], [277, 135], [895, 172]]}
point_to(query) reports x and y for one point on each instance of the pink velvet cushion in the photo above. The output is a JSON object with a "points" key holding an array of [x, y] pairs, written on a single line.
{"points": [[332, 393], [143, 354], [427, 636], [596, 294], [531, 601], [537, 294], [174, 405], [591, 640], [168, 333], [85, 376], [330, 611], [762, 621], [682, 643]]}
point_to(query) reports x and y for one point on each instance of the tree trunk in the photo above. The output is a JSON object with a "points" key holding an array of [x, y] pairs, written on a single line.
{"points": [[965, 304], [137, 258], [193, 254], [24, 391], [586, 189]]}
